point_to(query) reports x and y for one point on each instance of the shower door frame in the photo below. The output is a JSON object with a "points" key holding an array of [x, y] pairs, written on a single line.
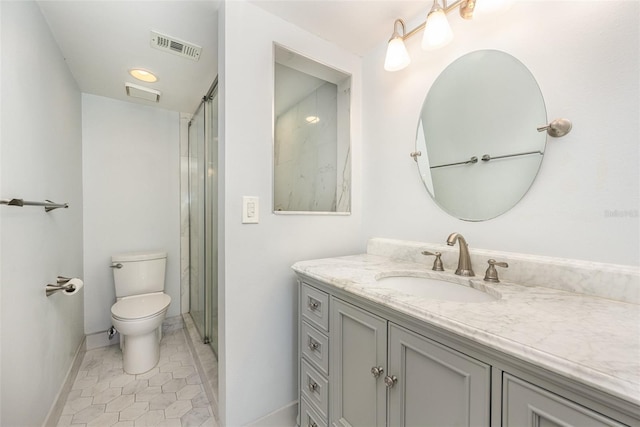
{"points": [[209, 180]]}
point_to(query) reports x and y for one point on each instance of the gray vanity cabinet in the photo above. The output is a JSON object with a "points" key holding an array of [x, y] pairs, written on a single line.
{"points": [[358, 343], [436, 386], [364, 366], [383, 374], [526, 405]]}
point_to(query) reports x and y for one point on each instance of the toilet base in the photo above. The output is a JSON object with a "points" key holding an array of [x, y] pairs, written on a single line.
{"points": [[140, 353]]}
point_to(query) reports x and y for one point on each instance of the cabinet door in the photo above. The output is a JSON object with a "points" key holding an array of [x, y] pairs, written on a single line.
{"points": [[436, 386], [526, 405], [358, 343]]}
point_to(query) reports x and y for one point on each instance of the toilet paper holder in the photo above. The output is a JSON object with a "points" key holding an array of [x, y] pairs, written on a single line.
{"points": [[62, 285]]}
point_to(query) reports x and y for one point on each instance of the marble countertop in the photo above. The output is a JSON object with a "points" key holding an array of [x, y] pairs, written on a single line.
{"points": [[593, 340]]}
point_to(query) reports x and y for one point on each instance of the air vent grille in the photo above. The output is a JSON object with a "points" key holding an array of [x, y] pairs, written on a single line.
{"points": [[175, 46]]}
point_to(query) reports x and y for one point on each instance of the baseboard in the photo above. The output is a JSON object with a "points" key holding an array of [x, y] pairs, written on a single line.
{"points": [[56, 409], [101, 339], [283, 417]]}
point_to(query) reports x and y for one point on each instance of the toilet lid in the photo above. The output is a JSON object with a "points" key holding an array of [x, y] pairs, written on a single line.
{"points": [[140, 306]]}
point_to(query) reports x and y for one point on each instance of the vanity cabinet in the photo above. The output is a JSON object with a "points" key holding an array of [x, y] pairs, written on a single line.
{"points": [[380, 373], [361, 364], [525, 404], [358, 343], [435, 386]]}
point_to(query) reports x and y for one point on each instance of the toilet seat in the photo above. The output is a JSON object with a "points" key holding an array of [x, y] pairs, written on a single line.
{"points": [[140, 307]]}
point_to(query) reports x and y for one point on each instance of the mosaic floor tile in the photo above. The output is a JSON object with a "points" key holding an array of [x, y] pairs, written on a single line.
{"points": [[169, 395]]}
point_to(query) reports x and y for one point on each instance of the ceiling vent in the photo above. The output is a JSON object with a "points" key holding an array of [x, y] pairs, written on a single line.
{"points": [[142, 92], [175, 46]]}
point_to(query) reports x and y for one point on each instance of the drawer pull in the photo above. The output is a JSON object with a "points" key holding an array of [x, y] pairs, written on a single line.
{"points": [[313, 304], [390, 381], [376, 371], [313, 344], [313, 386]]}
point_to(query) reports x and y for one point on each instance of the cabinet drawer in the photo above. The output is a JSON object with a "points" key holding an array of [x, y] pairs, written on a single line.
{"points": [[315, 347], [315, 387], [314, 306], [309, 417], [525, 404]]}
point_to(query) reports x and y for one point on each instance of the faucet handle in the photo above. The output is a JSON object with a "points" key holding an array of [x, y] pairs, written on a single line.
{"points": [[491, 275], [437, 263]]}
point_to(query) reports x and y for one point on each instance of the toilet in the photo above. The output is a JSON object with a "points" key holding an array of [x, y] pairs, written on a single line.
{"points": [[140, 308]]}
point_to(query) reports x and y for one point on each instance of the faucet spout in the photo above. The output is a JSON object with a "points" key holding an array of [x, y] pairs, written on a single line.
{"points": [[464, 260]]}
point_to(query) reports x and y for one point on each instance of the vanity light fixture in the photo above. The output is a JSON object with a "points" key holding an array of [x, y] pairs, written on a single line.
{"points": [[397, 56], [143, 75], [437, 31]]}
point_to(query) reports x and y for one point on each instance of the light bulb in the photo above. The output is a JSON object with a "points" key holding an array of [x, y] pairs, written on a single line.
{"points": [[397, 56], [144, 75], [437, 32]]}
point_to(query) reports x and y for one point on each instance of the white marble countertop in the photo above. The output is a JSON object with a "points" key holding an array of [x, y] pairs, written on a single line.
{"points": [[593, 340]]}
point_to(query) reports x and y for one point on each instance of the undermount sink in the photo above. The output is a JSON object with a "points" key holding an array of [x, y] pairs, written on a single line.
{"points": [[433, 288]]}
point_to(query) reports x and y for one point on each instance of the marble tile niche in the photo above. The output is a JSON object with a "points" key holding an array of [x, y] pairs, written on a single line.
{"points": [[307, 174]]}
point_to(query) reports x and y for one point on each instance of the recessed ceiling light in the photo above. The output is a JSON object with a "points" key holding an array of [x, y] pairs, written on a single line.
{"points": [[312, 119], [144, 75]]}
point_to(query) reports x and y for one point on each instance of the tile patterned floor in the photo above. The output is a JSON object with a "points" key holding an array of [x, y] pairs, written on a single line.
{"points": [[171, 394]]}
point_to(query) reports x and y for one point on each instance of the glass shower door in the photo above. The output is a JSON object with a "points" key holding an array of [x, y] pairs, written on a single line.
{"points": [[211, 219], [197, 221], [203, 218]]}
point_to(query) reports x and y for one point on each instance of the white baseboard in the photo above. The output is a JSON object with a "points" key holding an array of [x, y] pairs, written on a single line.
{"points": [[283, 417], [101, 339], [61, 398]]}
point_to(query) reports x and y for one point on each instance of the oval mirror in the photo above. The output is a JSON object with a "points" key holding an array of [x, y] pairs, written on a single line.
{"points": [[477, 138]]}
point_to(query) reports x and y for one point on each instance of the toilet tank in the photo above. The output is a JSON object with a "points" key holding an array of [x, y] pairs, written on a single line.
{"points": [[141, 272]]}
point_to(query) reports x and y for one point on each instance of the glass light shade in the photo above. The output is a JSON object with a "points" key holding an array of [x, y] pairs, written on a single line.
{"points": [[397, 56], [437, 32]]}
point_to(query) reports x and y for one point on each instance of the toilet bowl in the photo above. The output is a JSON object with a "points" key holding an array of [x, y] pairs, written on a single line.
{"points": [[141, 306], [139, 321]]}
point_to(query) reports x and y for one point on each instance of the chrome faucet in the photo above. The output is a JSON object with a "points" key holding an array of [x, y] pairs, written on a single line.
{"points": [[464, 261]]}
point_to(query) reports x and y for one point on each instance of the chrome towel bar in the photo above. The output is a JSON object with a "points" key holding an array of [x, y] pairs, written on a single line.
{"points": [[48, 204]]}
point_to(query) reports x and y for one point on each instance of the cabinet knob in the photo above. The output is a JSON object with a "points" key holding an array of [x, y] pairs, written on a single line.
{"points": [[313, 386], [390, 381], [313, 344], [313, 304], [376, 371]]}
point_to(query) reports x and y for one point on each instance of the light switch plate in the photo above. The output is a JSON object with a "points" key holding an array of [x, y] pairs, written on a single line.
{"points": [[250, 210]]}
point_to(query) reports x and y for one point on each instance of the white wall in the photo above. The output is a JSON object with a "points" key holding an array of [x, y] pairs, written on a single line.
{"points": [[585, 57], [258, 343], [41, 157], [131, 173]]}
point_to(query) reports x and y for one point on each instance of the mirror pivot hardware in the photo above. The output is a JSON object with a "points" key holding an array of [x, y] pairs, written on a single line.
{"points": [[437, 263], [491, 275]]}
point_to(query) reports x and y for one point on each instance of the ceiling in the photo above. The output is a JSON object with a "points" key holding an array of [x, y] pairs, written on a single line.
{"points": [[102, 40]]}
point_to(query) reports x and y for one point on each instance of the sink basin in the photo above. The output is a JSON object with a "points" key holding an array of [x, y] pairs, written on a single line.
{"points": [[433, 288]]}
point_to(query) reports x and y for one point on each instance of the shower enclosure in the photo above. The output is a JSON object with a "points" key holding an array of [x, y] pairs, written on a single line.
{"points": [[203, 218]]}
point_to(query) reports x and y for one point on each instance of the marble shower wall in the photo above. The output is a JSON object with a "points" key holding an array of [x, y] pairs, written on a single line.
{"points": [[306, 154]]}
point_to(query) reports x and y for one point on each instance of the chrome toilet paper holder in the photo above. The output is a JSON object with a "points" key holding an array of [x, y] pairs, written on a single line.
{"points": [[62, 285]]}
